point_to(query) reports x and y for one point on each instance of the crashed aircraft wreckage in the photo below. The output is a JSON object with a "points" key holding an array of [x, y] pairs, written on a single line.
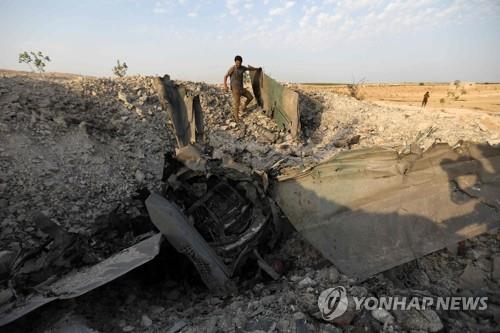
{"points": [[365, 210], [215, 212], [183, 109], [79, 282], [279, 102], [371, 209], [227, 217]]}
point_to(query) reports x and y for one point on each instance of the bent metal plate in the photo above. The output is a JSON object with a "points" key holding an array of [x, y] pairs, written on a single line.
{"points": [[81, 281], [369, 210]]}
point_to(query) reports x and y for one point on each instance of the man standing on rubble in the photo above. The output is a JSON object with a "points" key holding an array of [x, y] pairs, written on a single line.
{"points": [[236, 75]]}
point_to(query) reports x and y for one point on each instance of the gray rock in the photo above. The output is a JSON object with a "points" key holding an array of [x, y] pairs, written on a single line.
{"points": [[472, 278], [358, 291], [333, 275], [260, 324], [146, 321], [122, 96], [327, 328], [306, 282], [383, 316], [128, 328], [299, 315], [495, 273], [425, 320], [179, 325], [139, 176], [156, 309]]}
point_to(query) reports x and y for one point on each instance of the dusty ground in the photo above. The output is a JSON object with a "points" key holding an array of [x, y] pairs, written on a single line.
{"points": [[76, 147], [464, 96]]}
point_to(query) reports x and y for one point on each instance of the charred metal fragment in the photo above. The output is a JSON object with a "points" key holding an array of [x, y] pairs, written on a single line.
{"points": [[195, 117], [185, 111], [175, 226], [220, 212], [79, 282], [265, 266]]}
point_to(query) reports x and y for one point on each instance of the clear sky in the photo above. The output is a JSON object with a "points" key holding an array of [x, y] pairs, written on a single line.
{"points": [[300, 41]]}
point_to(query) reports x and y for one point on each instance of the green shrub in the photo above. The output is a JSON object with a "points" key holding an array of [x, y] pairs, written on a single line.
{"points": [[35, 60], [120, 69]]}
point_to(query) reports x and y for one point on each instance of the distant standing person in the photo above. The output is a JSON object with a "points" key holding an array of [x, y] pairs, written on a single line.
{"points": [[426, 97], [236, 74]]}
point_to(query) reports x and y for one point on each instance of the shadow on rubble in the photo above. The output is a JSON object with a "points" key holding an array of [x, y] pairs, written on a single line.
{"points": [[164, 282], [311, 111], [169, 281], [360, 243], [227, 210], [380, 231]]}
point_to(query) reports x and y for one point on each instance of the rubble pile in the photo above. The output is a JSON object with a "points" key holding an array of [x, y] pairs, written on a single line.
{"points": [[75, 150], [290, 304], [79, 151], [330, 123], [331, 120]]}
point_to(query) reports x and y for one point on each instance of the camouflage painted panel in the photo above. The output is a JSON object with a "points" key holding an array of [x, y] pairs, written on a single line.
{"points": [[369, 210], [278, 101]]}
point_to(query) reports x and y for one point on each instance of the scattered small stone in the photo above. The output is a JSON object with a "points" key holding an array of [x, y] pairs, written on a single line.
{"points": [[139, 176], [358, 291], [327, 328], [260, 325], [425, 320], [146, 321], [128, 328], [306, 282], [382, 316], [472, 277], [156, 309], [179, 325]]}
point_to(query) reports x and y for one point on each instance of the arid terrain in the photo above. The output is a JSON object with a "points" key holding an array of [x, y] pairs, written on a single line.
{"points": [[77, 148], [463, 96]]}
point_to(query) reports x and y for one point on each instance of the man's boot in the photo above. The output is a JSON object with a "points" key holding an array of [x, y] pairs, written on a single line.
{"points": [[244, 108]]}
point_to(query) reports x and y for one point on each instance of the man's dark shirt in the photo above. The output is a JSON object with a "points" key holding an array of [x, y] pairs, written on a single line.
{"points": [[236, 75]]}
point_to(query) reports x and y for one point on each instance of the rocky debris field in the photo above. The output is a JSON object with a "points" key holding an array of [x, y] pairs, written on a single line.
{"points": [[77, 148], [331, 123], [329, 119], [171, 304]]}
